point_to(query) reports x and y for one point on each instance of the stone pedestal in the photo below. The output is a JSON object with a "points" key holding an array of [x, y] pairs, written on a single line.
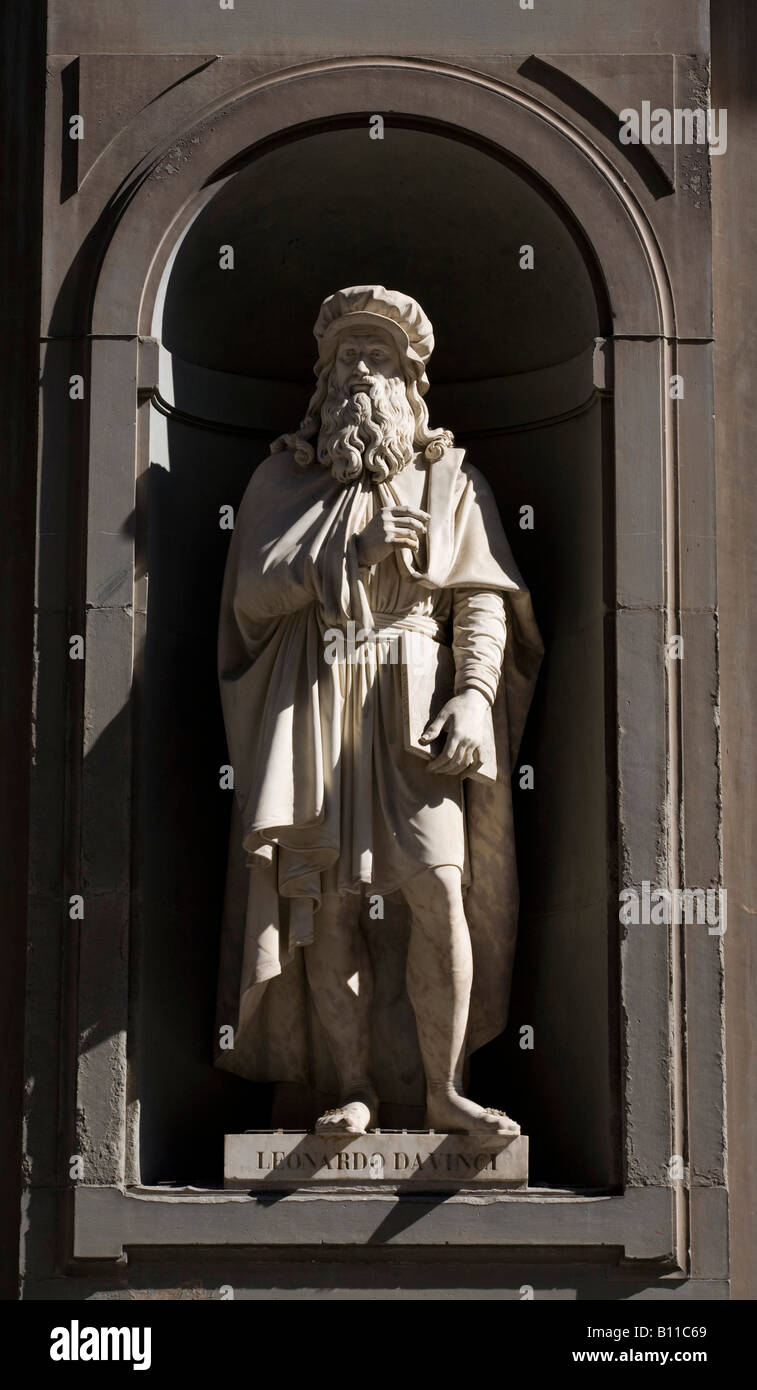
{"points": [[418, 1159]]}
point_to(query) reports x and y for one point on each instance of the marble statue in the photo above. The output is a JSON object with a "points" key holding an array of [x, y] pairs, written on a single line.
{"points": [[369, 586]]}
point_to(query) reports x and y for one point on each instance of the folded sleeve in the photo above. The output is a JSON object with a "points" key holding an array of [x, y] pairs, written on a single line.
{"points": [[479, 631]]}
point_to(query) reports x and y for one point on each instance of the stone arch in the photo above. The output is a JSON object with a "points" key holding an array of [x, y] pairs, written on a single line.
{"points": [[182, 174], [176, 181]]}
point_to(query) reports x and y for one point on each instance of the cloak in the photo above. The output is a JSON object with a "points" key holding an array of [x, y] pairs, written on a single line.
{"points": [[291, 574]]}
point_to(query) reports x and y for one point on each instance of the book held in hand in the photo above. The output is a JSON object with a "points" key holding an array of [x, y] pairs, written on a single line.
{"points": [[428, 682]]}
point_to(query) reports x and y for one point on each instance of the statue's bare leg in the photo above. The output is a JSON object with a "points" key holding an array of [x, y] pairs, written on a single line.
{"points": [[340, 982], [439, 978]]}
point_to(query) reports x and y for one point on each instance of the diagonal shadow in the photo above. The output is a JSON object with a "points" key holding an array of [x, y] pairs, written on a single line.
{"points": [[602, 117]]}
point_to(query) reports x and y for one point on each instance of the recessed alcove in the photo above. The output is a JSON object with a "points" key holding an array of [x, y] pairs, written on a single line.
{"points": [[512, 374]]}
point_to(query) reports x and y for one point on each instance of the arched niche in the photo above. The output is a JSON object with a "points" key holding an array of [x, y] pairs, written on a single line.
{"points": [[628, 521], [513, 375]]}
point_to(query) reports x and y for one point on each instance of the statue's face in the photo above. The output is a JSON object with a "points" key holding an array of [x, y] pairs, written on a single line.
{"points": [[364, 356], [367, 420]]}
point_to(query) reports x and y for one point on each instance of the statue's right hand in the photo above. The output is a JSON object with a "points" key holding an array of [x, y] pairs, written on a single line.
{"points": [[388, 530]]}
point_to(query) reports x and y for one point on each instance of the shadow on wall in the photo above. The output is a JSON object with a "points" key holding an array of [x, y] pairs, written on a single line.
{"points": [[183, 838]]}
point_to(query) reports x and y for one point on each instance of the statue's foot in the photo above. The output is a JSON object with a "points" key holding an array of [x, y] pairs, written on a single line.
{"points": [[357, 1114], [453, 1114]]}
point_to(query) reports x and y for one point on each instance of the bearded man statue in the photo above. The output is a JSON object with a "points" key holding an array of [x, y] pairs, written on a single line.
{"points": [[372, 901]]}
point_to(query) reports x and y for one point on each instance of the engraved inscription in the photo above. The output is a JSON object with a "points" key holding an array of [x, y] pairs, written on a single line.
{"points": [[295, 1159]]}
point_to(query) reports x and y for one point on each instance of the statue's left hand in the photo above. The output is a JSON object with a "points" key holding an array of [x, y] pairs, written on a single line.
{"points": [[464, 718]]}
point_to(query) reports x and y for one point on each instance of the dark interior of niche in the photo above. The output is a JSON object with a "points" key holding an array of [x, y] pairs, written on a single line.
{"points": [[443, 221]]}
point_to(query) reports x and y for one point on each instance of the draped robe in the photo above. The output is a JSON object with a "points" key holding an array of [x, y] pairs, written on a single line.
{"points": [[326, 797]]}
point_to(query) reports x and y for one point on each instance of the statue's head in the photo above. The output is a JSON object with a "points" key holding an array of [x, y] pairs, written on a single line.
{"points": [[368, 410]]}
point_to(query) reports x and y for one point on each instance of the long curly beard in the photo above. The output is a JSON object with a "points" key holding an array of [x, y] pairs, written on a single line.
{"points": [[372, 430]]}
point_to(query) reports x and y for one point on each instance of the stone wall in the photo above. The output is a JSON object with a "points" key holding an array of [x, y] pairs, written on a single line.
{"points": [[514, 113]]}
